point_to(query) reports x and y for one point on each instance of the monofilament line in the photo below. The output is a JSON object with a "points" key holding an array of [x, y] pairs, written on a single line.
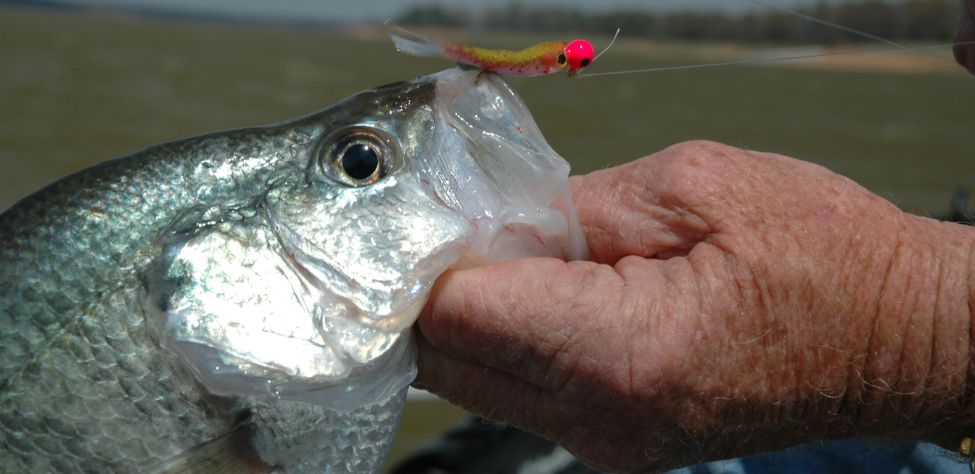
{"points": [[610, 45], [744, 62], [837, 26]]}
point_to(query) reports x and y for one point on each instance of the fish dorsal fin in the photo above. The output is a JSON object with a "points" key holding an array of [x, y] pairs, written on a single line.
{"points": [[232, 452]]}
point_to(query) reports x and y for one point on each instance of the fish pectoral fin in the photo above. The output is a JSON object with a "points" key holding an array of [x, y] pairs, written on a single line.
{"points": [[232, 452]]}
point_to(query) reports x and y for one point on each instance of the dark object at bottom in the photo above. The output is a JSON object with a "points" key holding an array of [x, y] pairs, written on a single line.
{"points": [[960, 212], [479, 447]]}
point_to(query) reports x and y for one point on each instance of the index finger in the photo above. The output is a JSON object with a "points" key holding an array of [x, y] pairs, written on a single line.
{"points": [[635, 210], [519, 316]]}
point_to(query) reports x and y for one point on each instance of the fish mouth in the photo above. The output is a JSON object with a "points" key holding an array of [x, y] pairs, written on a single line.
{"points": [[516, 191]]}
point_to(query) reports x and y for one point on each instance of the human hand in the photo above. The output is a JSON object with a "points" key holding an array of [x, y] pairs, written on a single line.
{"points": [[735, 302], [965, 53]]}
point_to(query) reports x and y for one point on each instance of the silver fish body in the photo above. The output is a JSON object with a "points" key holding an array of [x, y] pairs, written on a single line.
{"points": [[264, 278]]}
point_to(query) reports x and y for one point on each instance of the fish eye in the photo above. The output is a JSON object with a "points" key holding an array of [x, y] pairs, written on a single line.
{"points": [[360, 161], [357, 157], [562, 58], [585, 62]]}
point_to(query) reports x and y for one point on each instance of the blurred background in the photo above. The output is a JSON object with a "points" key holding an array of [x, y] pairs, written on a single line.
{"points": [[83, 81]]}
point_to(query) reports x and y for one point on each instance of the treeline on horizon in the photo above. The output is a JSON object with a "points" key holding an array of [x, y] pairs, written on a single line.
{"points": [[911, 20]]}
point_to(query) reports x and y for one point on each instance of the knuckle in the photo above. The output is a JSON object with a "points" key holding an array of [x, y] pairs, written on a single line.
{"points": [[703, 146], [700, 172]]}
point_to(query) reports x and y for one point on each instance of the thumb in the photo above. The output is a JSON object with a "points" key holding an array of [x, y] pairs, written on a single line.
{"points": [[541, 319], [519, 316]]}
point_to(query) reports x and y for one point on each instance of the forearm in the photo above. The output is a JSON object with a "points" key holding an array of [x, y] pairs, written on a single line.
{"points": [[918, 372], [949, 404]]}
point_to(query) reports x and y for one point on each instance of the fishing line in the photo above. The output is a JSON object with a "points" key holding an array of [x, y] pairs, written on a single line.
{"points": [[838, 26], [828, 23], [608, 46], [743, 62]]}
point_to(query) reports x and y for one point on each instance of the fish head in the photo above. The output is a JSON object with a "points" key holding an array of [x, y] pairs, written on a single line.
{"points": [[309, 291]]}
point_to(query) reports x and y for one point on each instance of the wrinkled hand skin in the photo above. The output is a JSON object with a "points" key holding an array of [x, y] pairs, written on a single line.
{"points": [[735, 302], [965, 53]]}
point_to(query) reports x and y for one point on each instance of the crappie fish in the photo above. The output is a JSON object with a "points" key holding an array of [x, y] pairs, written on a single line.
{"points": [[243, 300]]}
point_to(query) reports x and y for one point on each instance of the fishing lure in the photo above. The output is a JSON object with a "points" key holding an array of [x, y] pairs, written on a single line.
{"points": [[537, 60]]}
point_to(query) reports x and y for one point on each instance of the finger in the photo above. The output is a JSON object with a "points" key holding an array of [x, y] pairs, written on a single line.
{"points": [[488, 392], [642, 208], [524, 317], [549, 321]]}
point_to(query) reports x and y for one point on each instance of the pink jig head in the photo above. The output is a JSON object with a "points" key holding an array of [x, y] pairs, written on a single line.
{"points": [[578, 54]]}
